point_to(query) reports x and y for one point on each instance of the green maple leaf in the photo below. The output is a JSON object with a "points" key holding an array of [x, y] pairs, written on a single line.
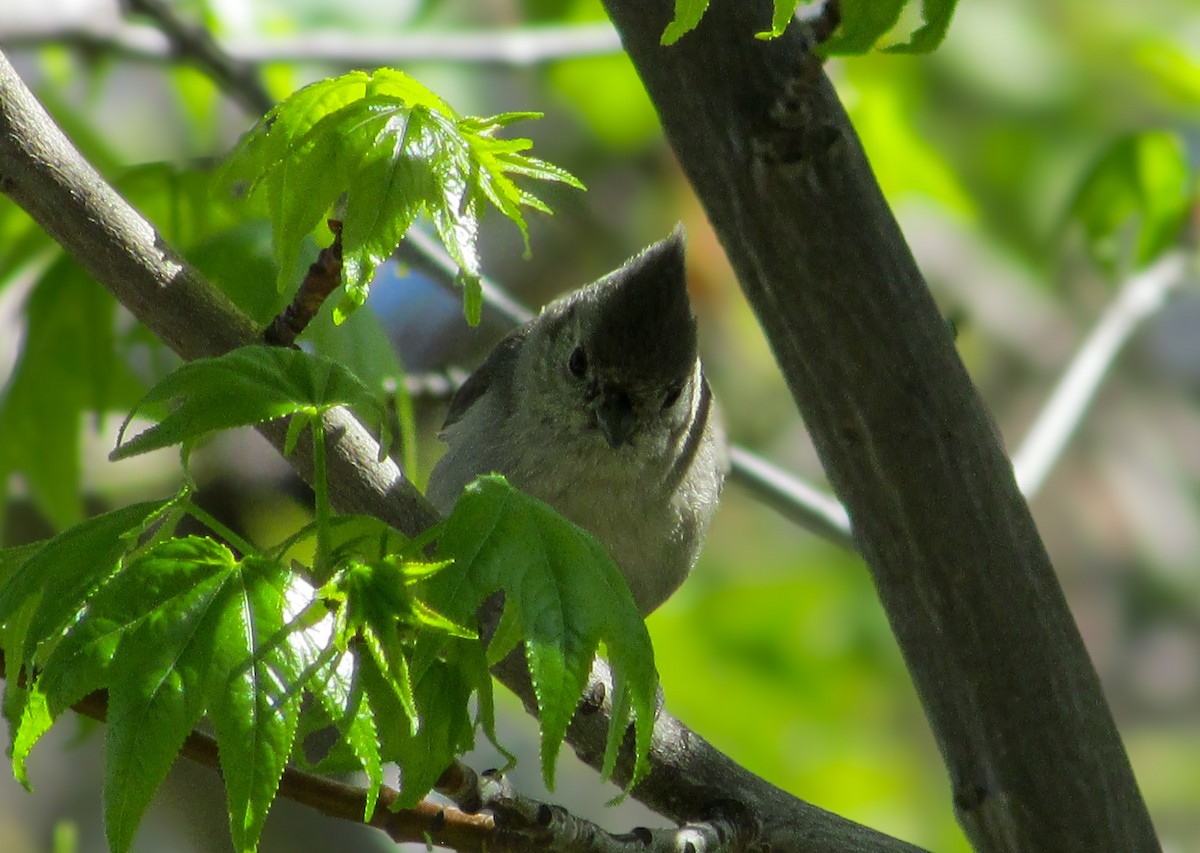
{"points": [[564, 597]]}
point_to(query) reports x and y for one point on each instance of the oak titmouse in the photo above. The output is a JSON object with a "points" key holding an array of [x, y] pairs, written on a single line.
{"points": [[599, 407]]}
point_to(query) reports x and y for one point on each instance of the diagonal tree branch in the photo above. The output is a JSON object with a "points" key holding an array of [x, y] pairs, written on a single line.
{"points": [[1035, 760], [689, 780]]}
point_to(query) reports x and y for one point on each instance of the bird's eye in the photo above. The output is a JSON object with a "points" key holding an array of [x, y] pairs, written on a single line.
{"points": [[578, 362], [672, 395]]}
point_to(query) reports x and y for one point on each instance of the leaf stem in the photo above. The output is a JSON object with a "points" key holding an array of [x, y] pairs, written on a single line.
{"points": [[406, 417], [322, 511], [221, 529]]}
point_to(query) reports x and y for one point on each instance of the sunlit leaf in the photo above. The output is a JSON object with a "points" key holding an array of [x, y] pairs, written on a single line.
{"points": [[379, 614], [165, 609], [782, 14], [687, 15], [254, 716], [391, 150], [70, 565]]}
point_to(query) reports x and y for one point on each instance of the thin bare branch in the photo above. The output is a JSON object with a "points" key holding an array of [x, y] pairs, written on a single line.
{"points": [[514, 48], [195, 44], [1141, 296], [324, 276], [791, 497]]}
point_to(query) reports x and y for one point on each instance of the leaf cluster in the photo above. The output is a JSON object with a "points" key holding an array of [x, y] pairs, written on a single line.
{"points": [[370, 642], [864, 23], [385, 149]]}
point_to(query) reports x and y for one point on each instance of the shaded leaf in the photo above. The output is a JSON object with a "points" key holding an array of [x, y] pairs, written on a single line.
{"points": [[1135, 200], [69, 365]]}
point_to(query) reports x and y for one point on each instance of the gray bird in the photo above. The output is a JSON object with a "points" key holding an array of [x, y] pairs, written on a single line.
{"points": [[599, 407]]}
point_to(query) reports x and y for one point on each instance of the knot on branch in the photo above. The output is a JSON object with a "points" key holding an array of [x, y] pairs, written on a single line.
{"points": [[796, 131]]}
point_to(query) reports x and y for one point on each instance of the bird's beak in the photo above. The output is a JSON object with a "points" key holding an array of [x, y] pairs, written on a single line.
{"points": [[615, 416]]}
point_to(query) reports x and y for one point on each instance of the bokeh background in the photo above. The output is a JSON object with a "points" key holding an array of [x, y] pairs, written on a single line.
{"points": [[776, 650]]}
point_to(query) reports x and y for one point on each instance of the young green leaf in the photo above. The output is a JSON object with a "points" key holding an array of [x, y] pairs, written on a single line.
{"points": [[568, 597], [342, 702], [936, 15], [864, 23], [184, 629], [11, 559], [380, 613], [687, 15], [442, 699], [1135, 200], [244, 387], [35, 721], [166, 610], [781, 15], [392, 150]]}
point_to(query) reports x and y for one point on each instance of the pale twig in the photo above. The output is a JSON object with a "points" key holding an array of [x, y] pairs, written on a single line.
{"points": [[793, 498], [513, 48], [1139, 298]]}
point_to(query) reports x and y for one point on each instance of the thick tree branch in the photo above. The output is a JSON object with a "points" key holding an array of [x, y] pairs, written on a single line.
{"points": [[689, 780], [1034, 757]]}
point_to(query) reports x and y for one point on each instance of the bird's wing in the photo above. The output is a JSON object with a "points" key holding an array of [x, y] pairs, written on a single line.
{"points": [[501, 360]]}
